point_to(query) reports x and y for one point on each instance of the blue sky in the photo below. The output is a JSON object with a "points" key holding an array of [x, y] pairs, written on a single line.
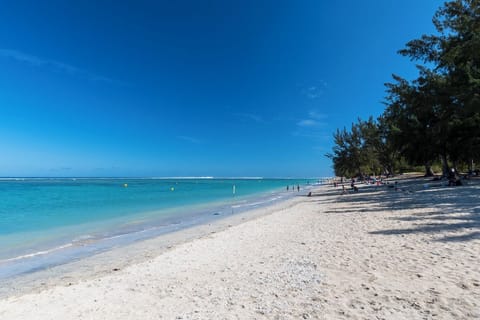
{"points": [[193, 88]]}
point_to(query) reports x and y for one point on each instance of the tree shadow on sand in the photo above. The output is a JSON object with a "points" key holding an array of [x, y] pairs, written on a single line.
{"points": [[454, 210]]}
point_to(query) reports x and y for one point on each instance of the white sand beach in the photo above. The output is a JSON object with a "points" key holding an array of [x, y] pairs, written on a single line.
{"points": [[375, 254]]}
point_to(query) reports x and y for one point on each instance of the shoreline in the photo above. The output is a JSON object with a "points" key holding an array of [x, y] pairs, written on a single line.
{"points": [[410, 253], [117, 257], [100, 236]]}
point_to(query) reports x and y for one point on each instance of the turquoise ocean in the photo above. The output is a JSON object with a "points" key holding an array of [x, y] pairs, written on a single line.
{"points": [[50, 221]]}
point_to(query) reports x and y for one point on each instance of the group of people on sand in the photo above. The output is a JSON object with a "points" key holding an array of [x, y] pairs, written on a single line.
{"points": [[454, 179], [368, 180], [293, 188], [352, 185]]}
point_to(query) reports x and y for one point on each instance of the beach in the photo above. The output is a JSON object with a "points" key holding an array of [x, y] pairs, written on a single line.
{"points": [[409, 252]]}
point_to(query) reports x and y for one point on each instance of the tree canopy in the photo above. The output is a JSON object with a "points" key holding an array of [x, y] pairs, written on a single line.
{"points": [[433, 117]]}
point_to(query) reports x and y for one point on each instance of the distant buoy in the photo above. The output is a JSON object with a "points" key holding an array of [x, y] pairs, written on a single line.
{"points": [[125, 185], [172, 189]]}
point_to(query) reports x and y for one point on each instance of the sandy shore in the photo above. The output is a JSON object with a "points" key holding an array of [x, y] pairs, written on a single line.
{"points": [[376, 254]]}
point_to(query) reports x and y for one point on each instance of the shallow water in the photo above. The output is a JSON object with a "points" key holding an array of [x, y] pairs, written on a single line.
{"points": [[46, 222]]}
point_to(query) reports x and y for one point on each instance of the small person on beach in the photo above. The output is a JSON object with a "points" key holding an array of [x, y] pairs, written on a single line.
{"points": [[354, 187], [287, 187], [298, 188], [454, 179]]}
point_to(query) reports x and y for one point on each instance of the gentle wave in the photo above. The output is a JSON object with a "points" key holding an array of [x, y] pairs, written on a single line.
{"points": [[252, 204], [38, 253]]}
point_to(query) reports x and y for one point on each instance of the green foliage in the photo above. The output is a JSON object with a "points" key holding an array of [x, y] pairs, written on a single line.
{"points": [[363, 150], [437, 115], [452, 88], [347, 152]]}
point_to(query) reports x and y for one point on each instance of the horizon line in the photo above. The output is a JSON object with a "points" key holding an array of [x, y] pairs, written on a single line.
{"points": [[155, 178]]}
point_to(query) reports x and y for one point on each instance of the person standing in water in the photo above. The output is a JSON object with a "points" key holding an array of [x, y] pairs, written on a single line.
{"points": [[298, 188], [287, 188]]}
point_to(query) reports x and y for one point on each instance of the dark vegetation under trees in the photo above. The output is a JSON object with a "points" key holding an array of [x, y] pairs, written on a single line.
{"points": [[433, 120]]}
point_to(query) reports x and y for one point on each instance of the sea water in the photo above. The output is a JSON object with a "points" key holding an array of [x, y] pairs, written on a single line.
{"points": [[50, 221]]}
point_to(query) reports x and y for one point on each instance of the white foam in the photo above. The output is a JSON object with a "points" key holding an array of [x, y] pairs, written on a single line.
{"points": [[38, 253]]}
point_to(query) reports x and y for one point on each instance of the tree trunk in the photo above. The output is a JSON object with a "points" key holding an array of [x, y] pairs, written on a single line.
{"points": [[445, 168], [428, 170], [389, 170]]}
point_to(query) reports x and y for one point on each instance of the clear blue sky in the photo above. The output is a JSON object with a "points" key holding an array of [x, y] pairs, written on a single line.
{"points": [[193, 88]]}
